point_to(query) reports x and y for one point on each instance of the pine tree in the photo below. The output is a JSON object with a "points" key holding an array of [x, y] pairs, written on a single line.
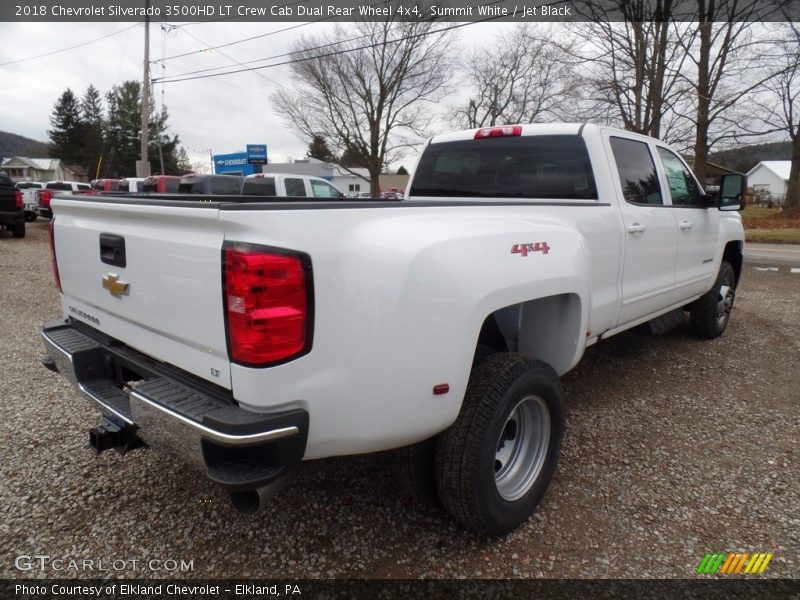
{"points": [[319, 149], [92, 142], [402, 171], [66, 135]]}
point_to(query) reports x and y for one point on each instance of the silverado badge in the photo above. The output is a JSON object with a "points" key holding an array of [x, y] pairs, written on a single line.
{"points": [[117, 288]]}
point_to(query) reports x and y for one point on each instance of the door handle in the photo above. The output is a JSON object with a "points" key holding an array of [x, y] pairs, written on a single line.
{"points": [[636, 228], [685, 225]]}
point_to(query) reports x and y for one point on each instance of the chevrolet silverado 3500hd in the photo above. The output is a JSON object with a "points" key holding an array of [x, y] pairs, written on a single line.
{"points": [[247, 334]]}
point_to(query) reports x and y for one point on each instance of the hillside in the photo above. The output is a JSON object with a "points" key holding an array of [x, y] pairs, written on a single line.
{"points": [[12, 144], [745, 158]]}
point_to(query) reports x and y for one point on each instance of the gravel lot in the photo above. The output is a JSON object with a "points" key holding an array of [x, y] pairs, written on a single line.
{"points": [[674, 446]]}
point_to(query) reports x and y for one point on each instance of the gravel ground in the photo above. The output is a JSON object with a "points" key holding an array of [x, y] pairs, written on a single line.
{"points": [[674, 446]]}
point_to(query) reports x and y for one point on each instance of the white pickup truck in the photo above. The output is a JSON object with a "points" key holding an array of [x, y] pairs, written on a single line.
{"points": [[248, 334]]}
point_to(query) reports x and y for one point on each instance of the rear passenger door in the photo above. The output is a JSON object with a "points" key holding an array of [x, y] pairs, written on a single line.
{"points": [[295, 186], [697, 226], [649, 229]]}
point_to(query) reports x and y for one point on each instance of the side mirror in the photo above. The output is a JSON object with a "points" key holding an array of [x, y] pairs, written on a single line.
{"points": [[732, 190]]}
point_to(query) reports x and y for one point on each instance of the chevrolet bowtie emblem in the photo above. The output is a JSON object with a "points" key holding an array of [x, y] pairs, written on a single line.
{"points": [[117, 288]]}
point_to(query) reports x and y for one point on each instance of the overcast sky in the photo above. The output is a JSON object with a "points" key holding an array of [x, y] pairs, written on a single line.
{"points": [[221, 113]]}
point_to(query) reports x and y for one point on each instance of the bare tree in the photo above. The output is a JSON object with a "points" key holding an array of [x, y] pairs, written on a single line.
{"points": [[725, 57], [371, 90], [779, 106], [522, 77], [632, 67]]}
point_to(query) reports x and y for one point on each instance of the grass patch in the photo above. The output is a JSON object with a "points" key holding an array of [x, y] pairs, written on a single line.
{"points": [[773, 236], [755, 213]]}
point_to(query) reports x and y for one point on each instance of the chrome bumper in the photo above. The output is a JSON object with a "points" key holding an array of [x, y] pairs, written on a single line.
{"points": [[238, 449]]}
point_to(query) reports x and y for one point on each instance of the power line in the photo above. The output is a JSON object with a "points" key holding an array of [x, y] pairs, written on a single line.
{"points": [[262, 35], [20, 60], [335, 53]]}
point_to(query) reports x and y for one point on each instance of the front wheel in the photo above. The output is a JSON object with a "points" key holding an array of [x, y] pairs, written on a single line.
{"points": [[495, 462], [712, 311]]}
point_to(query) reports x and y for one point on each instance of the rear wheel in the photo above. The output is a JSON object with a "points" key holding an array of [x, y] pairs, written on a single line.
{"points": [[495, 462], [712, 311], [19, 229]]}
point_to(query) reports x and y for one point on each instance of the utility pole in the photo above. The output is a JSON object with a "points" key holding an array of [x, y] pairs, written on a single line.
{"points": [[143, 165]]}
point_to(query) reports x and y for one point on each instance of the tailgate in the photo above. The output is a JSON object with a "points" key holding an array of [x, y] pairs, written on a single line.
{"points": [[166, 301], [8, 202]]}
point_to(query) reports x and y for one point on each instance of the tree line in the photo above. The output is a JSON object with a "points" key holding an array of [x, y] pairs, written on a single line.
{"points": [[103, 138], [706, 81]]}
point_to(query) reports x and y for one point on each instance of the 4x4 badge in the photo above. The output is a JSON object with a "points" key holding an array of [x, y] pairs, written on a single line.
{"points": [[117, 288]]}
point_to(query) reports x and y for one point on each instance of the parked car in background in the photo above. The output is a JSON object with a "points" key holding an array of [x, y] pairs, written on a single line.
{"points": [[28, 189], [12, 215], [162, 184], [211, 184], [105, 185], [131, 184], [284, 184], [44, 196], [393, 194]]}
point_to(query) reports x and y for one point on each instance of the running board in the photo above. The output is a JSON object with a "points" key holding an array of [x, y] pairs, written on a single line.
{"points": [[667, 321]]}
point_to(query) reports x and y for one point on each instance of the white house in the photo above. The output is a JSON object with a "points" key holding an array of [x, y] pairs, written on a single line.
{"points": [[22, 168], [770, 176], [349, 181]]}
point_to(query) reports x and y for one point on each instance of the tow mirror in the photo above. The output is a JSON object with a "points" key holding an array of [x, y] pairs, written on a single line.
{"points": [[732, 192]]}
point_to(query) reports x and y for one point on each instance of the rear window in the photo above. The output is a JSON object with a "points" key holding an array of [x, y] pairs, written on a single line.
{"points": [[226, 185], [259, 186], [59, 186], [541, 166], [28, 185], [84, 186]]}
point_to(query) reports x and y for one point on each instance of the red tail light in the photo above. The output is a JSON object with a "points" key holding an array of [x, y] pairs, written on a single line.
{"points": [[488, 132], [18, 198], [52, 235], [44, 198], [268, 299]]}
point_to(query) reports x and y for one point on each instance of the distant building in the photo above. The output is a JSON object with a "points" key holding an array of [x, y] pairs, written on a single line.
{"points": [[770, 176], [22, 168], [351, 181]]}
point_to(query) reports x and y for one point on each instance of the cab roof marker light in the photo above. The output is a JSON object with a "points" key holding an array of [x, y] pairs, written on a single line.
{"points": [[505, 131]]}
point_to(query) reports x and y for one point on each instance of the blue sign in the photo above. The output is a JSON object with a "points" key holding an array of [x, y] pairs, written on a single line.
{"points": [[234, 163], [257, 154]]}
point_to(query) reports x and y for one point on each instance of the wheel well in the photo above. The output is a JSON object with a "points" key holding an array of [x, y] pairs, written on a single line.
{"points": [[733, 255], [545, 328]]}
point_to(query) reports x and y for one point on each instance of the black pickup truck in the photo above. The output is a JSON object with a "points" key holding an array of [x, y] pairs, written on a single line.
{"points": [[12, 215]]}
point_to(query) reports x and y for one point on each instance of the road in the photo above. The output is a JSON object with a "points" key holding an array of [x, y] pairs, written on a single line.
{"points": [[769, 255]]}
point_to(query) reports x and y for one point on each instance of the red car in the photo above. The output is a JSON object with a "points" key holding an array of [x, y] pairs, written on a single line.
{"points": [[161, 184]]}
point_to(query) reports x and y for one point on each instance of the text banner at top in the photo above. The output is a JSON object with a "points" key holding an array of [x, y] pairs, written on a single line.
{"points": [[396, 10]]}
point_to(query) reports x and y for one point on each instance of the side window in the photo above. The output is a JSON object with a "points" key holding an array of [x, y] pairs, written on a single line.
{"points": [[637, 171], [172, 186], [683, 188], [324, 190], [226, 185], [295, 187]]}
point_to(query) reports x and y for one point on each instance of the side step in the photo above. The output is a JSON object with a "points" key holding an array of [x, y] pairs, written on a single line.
{"points": [[667, 321]]}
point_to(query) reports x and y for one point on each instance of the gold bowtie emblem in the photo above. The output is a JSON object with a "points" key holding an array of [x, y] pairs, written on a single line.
{"points": [[117, 288]]}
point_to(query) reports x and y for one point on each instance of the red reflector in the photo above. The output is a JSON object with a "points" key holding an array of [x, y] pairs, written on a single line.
{"points": [[51, 234], [18, 198], [488, 132], [440, 389], [266, 304]]}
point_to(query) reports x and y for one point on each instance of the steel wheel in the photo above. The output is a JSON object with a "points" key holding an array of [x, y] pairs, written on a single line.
{"points": [[522, 448], [725, 302]]}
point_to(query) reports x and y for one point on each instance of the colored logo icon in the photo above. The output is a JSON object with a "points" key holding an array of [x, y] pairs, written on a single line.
{"points": [[730, 563]]}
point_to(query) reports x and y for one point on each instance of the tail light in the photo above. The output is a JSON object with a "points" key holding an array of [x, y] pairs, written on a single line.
{"points": [[18, 198], [44, 198], [268, 303], [51, 234], [489, 132]]}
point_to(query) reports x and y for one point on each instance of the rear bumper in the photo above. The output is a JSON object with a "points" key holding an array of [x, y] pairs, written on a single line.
{"points": [[172, 410], [12, 217], [45, 213]]}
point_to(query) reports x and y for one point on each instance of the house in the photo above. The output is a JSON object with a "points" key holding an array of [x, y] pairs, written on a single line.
{"points": [[770, 177], [22, 168], [351, 181]]}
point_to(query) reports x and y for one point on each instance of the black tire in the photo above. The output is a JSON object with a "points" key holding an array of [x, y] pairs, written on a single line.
{"points": [[467, 453], [711, 312], [19, 229], [415, 467], [30, 217]]}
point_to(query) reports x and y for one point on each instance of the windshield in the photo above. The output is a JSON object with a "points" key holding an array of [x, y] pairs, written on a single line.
{"points": [[541, 166]]}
